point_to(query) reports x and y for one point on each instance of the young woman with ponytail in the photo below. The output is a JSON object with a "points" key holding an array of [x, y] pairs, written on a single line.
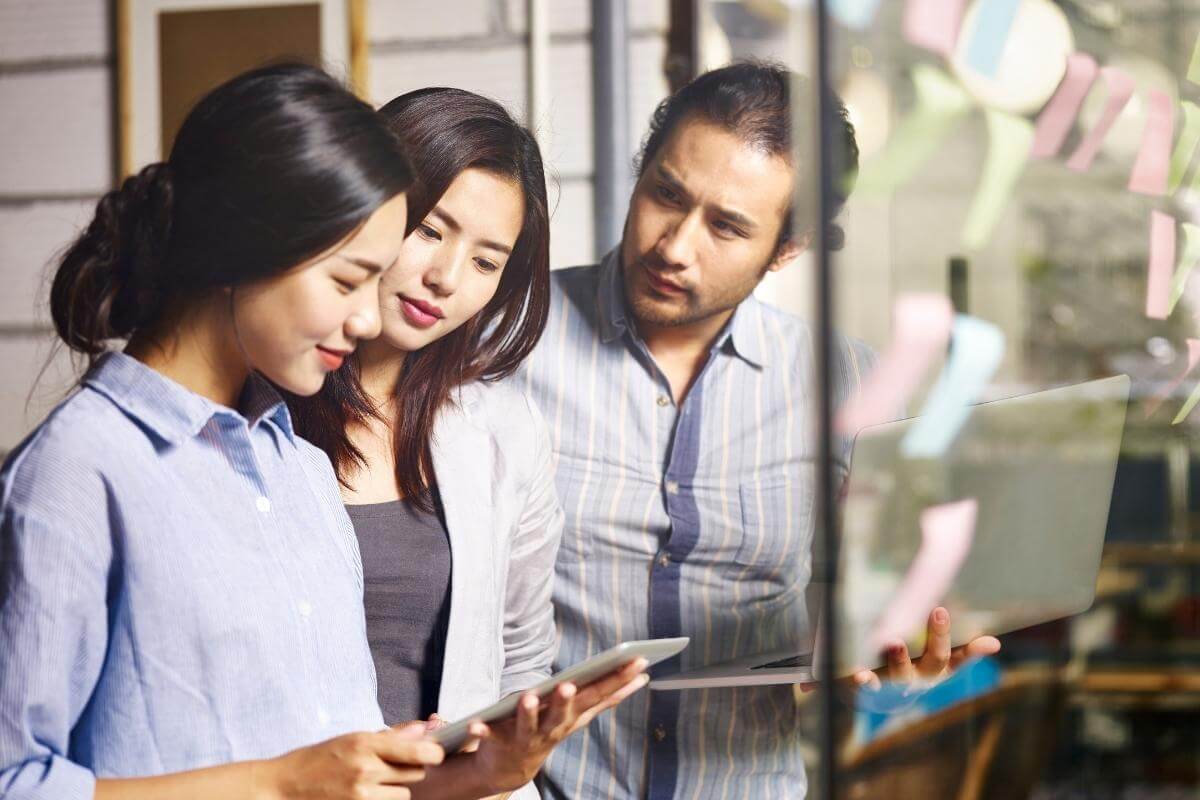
{"points": [[180, 589], [446, 469]]}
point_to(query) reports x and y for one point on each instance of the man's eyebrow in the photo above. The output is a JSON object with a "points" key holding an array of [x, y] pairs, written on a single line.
{"points": [[668, 176], [737, 218], [727, 214]]}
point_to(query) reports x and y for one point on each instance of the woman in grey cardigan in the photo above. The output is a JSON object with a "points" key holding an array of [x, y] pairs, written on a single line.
{"points": [[447, 472]]}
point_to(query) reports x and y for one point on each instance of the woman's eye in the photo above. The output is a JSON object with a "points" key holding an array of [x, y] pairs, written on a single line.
{"points": [[667, 194], [429, 232], [485, 265], [346, 287]]}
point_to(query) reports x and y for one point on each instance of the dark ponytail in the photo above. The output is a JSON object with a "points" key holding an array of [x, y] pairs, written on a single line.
{"points": [[109, 281], [268, 170]]}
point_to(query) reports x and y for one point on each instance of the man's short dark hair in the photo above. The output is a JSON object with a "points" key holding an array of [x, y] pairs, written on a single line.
{"points": [[751, 99]]}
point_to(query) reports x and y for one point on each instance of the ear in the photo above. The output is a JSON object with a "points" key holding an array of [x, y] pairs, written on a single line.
{"points": [[789, 251]]}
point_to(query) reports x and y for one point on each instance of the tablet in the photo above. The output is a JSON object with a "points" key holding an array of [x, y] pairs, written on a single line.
{"points": [[452, 736]]}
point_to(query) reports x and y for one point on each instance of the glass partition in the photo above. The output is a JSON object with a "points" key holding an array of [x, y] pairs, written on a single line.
{"points": [[1015, 282], [1027, 165]]}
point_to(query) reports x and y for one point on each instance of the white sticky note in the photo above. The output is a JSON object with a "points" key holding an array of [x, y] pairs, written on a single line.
{"points": [[855, 14], [941, 103], [1009, 140]]}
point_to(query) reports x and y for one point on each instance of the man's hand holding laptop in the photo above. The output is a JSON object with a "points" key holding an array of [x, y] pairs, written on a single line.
{"points": [[938, 661]]}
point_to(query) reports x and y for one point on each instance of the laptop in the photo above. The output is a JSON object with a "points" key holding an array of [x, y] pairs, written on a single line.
{"points": [[1040, 468]]}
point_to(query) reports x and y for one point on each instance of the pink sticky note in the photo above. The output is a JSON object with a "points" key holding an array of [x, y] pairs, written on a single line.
{"points": [[1149, 174], [933, 24], [1056, 119], [946, 535], [1120, 89], [1193, 346], [1162, 261], [922, 324]]}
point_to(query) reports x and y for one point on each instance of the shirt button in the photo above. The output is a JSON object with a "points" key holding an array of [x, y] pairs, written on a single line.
{"points": [[672, 487], [322, 716], [660, 733], [264, 505], [663, 401], [664, 560], [305, 608]]}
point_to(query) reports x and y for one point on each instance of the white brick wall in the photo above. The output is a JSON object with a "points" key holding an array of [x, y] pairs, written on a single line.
{"points": [[32, 30], [575, 16], [56, 132], [647, 83], [24, 399], [30, 237], [495, 72], [408, 20], [569, 139], [571, 221], [570, 148]]}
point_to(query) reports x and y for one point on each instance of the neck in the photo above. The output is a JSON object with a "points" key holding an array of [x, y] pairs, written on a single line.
{"points": [[200, 353], [692, 339], [379, 367], [681, 350]]}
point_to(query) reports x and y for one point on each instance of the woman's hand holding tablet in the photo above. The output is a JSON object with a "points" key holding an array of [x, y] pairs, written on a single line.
{"points": [[513, 746]]}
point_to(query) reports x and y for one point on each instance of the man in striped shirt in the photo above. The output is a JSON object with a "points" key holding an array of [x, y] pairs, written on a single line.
{"points": [[680, 408]]}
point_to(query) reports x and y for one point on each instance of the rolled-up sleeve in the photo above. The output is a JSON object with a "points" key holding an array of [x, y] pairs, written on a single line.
{"points": [[529, 633], [53, 634]]}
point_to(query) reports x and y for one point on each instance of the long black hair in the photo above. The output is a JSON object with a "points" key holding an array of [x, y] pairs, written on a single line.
{"points": [[268, 170], [446, 132]]}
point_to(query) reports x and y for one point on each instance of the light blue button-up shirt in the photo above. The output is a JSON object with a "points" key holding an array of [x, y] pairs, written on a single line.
{"points": [[682, 520], [179, 587]]}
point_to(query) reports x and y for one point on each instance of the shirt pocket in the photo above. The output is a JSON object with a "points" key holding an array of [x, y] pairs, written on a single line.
{"points": [[777, 523]]}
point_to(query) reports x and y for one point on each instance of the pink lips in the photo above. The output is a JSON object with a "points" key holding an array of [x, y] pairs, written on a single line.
{"points": [[420, 313], [332, 359]]}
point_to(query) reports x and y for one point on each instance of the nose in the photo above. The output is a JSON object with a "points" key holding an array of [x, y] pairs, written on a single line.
{"points": [[677, 246], [443, 275], [364, 322]]}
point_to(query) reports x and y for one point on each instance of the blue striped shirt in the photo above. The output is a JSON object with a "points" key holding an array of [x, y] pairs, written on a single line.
{"points": [[179, 587], [694, 520]]}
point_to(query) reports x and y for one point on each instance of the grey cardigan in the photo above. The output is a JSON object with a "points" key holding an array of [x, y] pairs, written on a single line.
{"points": [[495, 472]]}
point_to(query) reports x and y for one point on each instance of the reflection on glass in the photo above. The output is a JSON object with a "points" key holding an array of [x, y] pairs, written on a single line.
{"points": [[1034, 162]]}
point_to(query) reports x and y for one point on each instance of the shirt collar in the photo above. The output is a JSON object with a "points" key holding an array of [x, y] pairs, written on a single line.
{"points": [[610, 298], [743, 336], [172, 412], [261, 401]]}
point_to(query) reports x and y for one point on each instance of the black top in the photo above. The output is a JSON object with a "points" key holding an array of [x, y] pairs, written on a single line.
{"points": [[406, 576]]}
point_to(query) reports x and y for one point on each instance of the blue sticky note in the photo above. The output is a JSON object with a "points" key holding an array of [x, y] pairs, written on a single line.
{"points": [[993, 21], [855, 14], [876, 706], [976, 349]]}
